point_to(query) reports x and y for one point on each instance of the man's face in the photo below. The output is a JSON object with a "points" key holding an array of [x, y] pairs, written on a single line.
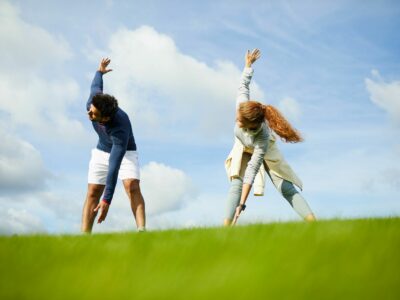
{"points": [[95, 115]]}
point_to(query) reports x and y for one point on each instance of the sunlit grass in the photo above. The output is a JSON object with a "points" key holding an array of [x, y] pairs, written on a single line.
{"points": [[352, 259]]}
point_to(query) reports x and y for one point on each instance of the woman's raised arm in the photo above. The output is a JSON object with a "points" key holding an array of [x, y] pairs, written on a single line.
{"points": [[243, 94]]}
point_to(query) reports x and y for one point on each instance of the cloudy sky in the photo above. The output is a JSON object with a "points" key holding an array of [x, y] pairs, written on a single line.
{"points": [[332, 67]]}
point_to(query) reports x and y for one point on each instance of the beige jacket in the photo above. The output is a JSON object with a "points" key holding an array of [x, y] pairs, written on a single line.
{"points": [[273, 159]]}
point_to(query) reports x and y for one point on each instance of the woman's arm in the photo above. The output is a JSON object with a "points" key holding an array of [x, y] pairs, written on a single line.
{"points": [[252, 168], [243, 94]]}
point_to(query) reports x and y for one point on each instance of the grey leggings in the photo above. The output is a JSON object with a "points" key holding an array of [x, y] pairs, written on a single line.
{"points": [[285, 187]]}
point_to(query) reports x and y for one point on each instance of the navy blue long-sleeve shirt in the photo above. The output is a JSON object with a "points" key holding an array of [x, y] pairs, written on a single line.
{"points": [[115, 137]]}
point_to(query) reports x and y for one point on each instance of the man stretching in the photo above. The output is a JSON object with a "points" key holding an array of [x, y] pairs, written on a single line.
{"points": [[114, 157]]}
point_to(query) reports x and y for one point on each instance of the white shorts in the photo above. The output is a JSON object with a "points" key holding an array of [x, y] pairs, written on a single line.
{"points": [[98, 166]]}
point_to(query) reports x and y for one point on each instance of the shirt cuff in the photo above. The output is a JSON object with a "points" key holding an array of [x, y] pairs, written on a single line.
{"points": [[248, 180], [248, 70]]}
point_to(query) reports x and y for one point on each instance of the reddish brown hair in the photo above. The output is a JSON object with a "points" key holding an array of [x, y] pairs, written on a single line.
{"points": [[253, 112]]}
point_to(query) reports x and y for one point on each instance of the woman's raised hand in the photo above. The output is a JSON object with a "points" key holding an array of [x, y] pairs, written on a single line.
{"points": [[251, 57]]}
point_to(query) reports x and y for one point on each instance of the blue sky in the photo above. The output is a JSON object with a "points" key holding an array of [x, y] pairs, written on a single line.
{"points": [[333, 68]]}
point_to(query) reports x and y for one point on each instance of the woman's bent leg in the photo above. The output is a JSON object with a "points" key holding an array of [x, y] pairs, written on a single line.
{"points": [[295, 199]]}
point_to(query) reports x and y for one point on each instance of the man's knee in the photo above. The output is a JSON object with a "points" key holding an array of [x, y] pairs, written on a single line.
{"points": [[95, 191], [133, 186]]}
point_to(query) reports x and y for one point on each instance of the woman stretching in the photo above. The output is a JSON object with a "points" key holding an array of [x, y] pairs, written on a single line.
{"points": [[255, 151]]}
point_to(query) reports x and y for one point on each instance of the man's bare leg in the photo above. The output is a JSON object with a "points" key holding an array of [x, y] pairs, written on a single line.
{"points": [[94, 193], [134, 193]]}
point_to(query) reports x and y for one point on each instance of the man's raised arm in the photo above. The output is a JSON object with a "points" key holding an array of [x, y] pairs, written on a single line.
{"points": [[97, 83]]}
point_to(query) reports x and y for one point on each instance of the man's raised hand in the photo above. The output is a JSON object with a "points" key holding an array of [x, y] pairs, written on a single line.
{"points": [[104, 64]]}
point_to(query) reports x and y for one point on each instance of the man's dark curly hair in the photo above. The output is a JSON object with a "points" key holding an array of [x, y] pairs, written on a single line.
{"points": [[106, 104]]}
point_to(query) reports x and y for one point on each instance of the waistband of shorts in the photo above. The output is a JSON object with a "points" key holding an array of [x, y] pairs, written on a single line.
{"points": [[104, 152]]}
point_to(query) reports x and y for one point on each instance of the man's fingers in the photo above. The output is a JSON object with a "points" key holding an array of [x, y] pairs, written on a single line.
{"points": [[103, 214], [97, 207], [105, 61], [101, 217]]}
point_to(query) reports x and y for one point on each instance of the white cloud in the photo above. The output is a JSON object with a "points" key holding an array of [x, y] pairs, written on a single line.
{"points": [[360, 166], [57, 209], [165, 188], [36, 101], [25, 46], [204, 210], [29, 99], [13, 221], [290, 109], [165, 89], [385, 95], [21, 166], [41, 106]]}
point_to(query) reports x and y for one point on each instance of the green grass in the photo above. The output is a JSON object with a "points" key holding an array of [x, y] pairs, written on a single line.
{"points": [[350, 259]]}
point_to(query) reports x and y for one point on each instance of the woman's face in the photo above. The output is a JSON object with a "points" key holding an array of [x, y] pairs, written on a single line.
{"points": [[247, 126]]}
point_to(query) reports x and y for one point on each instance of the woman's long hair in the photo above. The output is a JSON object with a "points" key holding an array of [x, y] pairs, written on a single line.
{"points": [[255, 112]]}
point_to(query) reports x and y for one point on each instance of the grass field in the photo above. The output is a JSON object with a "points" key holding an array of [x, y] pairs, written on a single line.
{"points": [[337, 259]]}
